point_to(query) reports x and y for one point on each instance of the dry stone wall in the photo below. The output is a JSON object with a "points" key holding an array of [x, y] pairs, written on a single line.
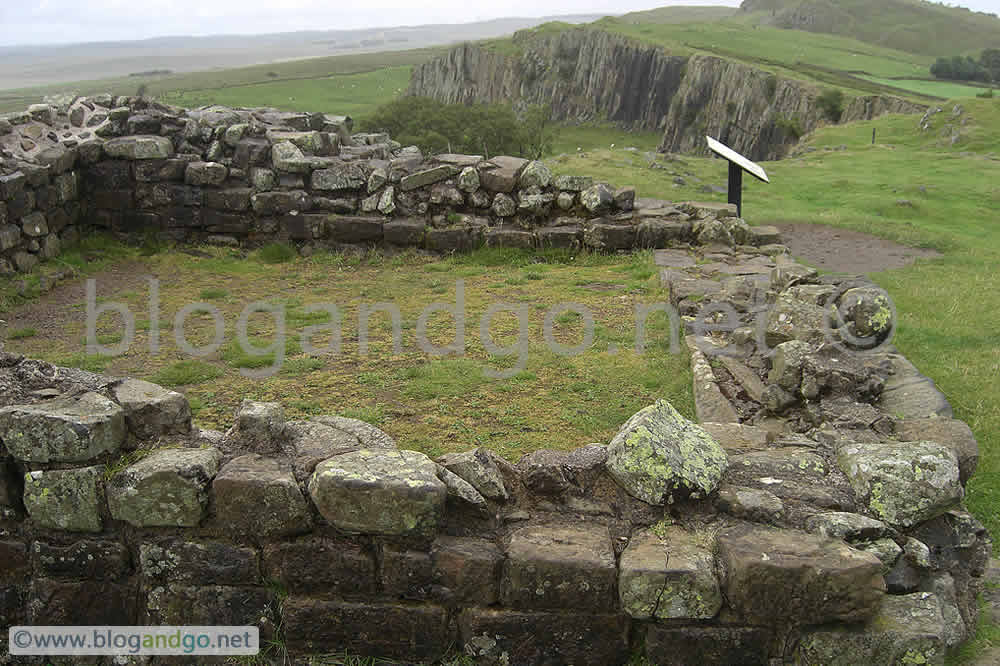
{"points": [[813, 515]]}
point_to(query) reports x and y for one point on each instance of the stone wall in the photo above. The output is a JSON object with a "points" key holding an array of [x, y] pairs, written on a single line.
{"points": [[247, 177]]}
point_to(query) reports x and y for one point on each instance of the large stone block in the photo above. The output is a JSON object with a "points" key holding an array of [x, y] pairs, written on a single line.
{"points": [[279, 203], [65, 499], [395, 631], [255, 497], [952, 433], [669, 573], [660, 233], [345, 176], [510, 238], [353, 229], [252, 152], [557, 567], [90, 559], [500, 174], [81, 603], [658, 456], [514, 637], [792, 319], [392, 493], [74, 429], [167, 488], [139, 147], [480, 469], [468, 569], [205, 173], [233, 199], [404, 232], [205, 606], [198, 563], [774, 577], [708, 646], [562, 237], [610, 237], [426, 177], [151, 410], [903, 483], [317, 566]]}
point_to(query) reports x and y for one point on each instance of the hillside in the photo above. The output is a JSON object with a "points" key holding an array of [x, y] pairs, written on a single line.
{"points": [[915, 26]]}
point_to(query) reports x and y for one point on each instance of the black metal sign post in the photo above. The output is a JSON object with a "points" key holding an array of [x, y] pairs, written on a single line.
{"points": [[737, 165]]}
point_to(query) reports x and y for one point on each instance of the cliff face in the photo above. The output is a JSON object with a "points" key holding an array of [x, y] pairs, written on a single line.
{"points": [[592, 75]]}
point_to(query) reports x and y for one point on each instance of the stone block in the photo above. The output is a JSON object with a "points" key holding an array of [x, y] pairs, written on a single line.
{"points": [[256, 498], [151, 410], [81, 603], [344, 176], [74, 429], [404, 232], [89, 559], [500, 174], [468, 569], [139, 148], [709, 646], [354, 229], [167, 488], [176, 561], [279, 203], [568, 237], [320, 566], [232, 199], [202, 606], [427, 177], [65, 499], [610, 237]]}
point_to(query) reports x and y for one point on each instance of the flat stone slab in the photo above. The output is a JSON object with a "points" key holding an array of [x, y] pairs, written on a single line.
{"points": [[952, 433], [903, 483], [385, 492], [668, 573], [559, 567], [151, 410], [710, 405], [777, 576], [658, 456], [74, 429], [910, 395], [167, 488], [255, 496], [139, 148], [65, 499]]}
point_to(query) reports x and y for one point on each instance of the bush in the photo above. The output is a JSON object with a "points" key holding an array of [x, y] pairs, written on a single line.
{"points": [[277, 253], [831, 103], [986, 95]]}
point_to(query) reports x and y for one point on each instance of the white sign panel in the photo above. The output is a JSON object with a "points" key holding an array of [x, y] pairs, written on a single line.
{"points": [[725, 151]]}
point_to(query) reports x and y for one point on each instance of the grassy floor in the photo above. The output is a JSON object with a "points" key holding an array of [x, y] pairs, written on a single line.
{"points": [[429, 404], [945, 89]]}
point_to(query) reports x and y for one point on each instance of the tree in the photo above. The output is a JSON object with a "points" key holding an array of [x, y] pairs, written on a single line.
{"points": [[831, 103], [990, 61]]}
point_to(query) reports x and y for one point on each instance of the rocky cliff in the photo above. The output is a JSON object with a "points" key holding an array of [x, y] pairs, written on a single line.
{"points": [[588, 74]]}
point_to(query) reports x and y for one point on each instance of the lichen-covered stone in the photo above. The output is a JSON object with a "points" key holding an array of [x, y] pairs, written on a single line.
{"points": [[908, 629], [259, 427], [711, 231], [65, 499], [151, 410], [347, 176], [287, 157], [167, 488], [903, 483], [847, 526], [426, 177], [659, 456], [139, 148], [73, 429], [792, 319], [254, 496], [867, 312], [503, 205], [468, 179], [786, 365], [372, 491], [368, 435], [205, 173], [559, 567], [886, 550], [597, 198], [572, 183], [535, 174], [462, 491], [480, 469], [668, 573], [198, 562]]}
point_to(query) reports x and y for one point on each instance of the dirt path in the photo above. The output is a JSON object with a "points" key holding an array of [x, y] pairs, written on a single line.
{"points": [[845, 251]]}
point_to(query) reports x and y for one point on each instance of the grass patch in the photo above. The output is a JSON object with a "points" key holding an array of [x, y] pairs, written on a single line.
{"points": [[83, 361], [276, 253], [213, 294], [183, 373], [21, 333]]}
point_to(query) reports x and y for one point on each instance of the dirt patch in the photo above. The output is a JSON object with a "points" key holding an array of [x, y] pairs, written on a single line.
{"points": [[846, 251]]}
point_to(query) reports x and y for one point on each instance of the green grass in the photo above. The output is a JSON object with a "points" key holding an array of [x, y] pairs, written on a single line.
{"points": [[601, 136], [276, 253], [183, 373], [90, 362], [21, 333], [943, 89]]}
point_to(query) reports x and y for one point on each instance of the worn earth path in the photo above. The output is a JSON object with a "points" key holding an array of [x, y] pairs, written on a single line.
{"points": [[845, 251]]}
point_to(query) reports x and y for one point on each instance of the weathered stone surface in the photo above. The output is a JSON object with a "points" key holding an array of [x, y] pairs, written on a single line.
{"points": [[866, 312], [205, 173], [167, 488], [379, 492], [710, 405], [461, 491], [354, 229], [73, 429], [404, 232], [903, 483], [479, 468], [542, 471], [34, 225], [776, 577], [406, 574], [668, 573], [708, 646], [887, 551], [624, 198], [65, 499], [786, 365], [252, 152], [139, 148], [468, 569], [500, 174], [496, 636], [535, 174], [228, 605], [87, 558], [287, 157], [346, 176], [369, 436], [564, 237], [259, 427], [609, 237], [396, 631], [232, 199], [151, 410], [559, 567], [759, 506], [426, 177], [908, 629], [83, 603], [198, 563], [510, 238], [503, 205], [847, 526], [765, 235], [347, 569], [791, 319], [908, 394], [572, 183], [597, 198], [468, 179], [254, 496], [277, 203], [952, 433], [658, 456]]}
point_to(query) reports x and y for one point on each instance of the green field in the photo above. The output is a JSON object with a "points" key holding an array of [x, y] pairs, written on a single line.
{"points": [[945, 89]]}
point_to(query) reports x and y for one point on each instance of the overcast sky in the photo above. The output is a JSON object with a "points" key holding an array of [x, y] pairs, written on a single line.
{"points": [[63, 21]]}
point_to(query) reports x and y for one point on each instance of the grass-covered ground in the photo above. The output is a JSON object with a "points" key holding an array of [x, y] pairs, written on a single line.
{"points": [[946, 89], [429, 404]]}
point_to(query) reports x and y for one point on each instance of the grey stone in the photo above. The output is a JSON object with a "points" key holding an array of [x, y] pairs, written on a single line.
{"points": [[792, 319], [259, 427], [711, 231], [952, 433], [34, 225], [205, 173], [65, 499], [151, 410], [478, 467], [765, 235], [500, 174], [903, 483], [426, 177], [847, 526], [786, 364], [565, 200], [346, 176], [535, 174], [380, 491], [72, 429], [660, 233], [759, 506], [597, 198], [668, 573], [287, 157], [503, 205], [461, 490], [659, 456], [139, 148], [867, 312], [254, 496], [572, 183], [468, 179], [167, 488], [886, 550]]}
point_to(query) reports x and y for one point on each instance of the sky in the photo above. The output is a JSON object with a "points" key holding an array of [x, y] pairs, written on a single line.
{"points": [[69, 21]]}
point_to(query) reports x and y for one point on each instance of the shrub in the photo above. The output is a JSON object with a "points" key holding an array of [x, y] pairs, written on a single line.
{"points": [[831, 103]]}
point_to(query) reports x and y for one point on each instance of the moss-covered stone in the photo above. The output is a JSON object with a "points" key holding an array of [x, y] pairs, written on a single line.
{"points": [[168, 488], [74, 429], [65, 499], [903, 483], [373, 491], [659, 456]]}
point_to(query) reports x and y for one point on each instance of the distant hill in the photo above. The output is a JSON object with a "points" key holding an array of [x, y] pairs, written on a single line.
{"points": [[915, 26]]}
